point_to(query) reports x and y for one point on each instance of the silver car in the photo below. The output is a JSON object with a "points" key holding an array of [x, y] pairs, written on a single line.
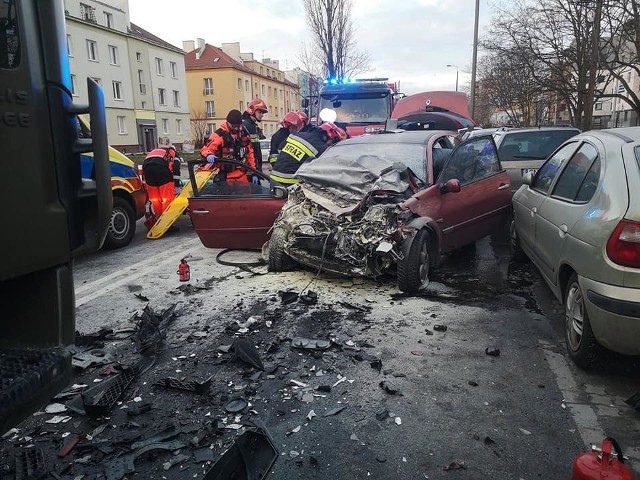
{"points": [[523, 150], [578, 220]]}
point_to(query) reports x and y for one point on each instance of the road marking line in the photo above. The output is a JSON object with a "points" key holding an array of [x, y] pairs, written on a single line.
{"points": [[585, 417], [127, 277]]}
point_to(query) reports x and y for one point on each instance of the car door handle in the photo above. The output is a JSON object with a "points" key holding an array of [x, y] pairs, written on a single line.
{"points": [[534, 210], [563, 230], [503, 186], [200, 212]]}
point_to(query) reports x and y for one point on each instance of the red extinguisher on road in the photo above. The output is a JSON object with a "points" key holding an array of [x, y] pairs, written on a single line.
{"points": [[184, 271], [601, 463]]}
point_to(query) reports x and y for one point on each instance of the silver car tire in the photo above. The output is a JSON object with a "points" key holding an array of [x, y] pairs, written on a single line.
{"points": [[279, 261], [413, 270], [582, 346]]}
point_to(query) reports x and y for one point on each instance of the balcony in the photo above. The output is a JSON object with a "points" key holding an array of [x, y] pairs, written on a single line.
{"points": [[207, 91], [88, 13], [211, 114]]}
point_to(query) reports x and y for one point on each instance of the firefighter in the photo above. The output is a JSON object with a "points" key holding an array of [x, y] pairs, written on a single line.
{"points": [[231, 141], [157, 169], [250, 120], [291, 123], [304, 147], [306, 125]]}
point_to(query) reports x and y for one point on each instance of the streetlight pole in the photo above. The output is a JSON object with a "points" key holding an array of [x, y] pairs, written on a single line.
{"points": [[456, 67], [472, 100]]}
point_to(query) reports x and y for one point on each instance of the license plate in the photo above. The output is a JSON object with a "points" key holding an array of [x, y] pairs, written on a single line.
{"points": [[532, 171]]}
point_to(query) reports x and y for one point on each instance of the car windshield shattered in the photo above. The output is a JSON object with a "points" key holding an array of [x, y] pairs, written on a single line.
{"points": [[344, 175]]}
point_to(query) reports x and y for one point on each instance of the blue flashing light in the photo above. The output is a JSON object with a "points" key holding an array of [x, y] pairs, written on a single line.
{"points": [[333, 81]]}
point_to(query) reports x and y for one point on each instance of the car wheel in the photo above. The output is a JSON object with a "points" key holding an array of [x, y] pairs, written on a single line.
{"points": [[413, 271], [514, 244], [279, 261], [122, 226], [581, 343]]}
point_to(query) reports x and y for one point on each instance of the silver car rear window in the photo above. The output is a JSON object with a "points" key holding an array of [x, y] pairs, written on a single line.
{"points": [[536, 145]]}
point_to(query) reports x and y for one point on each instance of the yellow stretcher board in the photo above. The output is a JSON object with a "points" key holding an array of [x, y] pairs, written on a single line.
{"points": [[178, 205]]}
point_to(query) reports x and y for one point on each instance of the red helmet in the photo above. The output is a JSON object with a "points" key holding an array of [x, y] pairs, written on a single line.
{"points": [[292, 119], [304, 118], [255, 105], [170, 151], [334, 132]]}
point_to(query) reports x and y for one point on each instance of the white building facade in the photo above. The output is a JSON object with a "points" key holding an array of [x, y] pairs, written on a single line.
{"points": [[142, 76]]}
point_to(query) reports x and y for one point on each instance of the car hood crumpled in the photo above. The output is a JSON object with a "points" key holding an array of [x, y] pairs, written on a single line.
{"points": [[339, 185]]}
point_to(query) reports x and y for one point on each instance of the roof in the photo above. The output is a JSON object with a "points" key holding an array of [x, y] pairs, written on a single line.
{"points": [[212, 57], [140, 32]]}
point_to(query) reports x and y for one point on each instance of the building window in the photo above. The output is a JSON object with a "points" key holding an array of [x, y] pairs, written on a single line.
{"points": [[122, 125], [143, 104], [113, 55], [264, 90], [239, 84], [117, 90], [208, 86], [92, 50], [275, 93], [162, 96], [211, 127], [74, 85], [210, 108], [69, 48], [261, 71], [174, 69], [246, 85], [176, 98], [178, 126], [88, 13], [159, 66], [143, 87], [269, 91], [97, 80], [108, 20], [241, 104], [598, 106], [165, 126], [139, 57]]}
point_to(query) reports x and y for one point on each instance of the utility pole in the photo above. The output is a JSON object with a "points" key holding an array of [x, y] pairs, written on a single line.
{"points": [[472, 101], [456, 67], [593, 67]]}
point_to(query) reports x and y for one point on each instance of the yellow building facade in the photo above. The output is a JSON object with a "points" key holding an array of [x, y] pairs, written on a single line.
{"points": [[222, 79]]}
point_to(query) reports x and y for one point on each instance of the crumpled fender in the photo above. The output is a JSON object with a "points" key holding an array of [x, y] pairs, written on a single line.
{"points": [[418, 223]]}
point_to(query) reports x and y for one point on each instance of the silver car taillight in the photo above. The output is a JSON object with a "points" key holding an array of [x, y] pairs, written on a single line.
{"points": [[623, 246]]}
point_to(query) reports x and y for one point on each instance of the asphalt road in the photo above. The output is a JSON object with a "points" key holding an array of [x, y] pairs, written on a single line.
{"points": [[419, 402]]}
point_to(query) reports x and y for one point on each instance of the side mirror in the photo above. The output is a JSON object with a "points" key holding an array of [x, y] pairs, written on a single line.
{"points": [[279, 192], [527, 179], [450, 186]]}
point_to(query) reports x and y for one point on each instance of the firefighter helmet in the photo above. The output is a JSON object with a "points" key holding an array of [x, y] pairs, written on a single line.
{"points": [[257, 105], [170, 151], [292, 119], [334, 132], [304, 118]]}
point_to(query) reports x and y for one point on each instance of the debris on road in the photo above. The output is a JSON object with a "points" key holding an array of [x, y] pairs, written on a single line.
{"points": [[440, 328], [245, 351], [492, 352], [310, 343], [199, 388], [458, 465], [390, 388], [634, 401]]}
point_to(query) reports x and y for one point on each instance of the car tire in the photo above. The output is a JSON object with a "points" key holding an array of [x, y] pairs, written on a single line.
{"points": [[122, 226], [582, 345], [517, 253], [279, 261], [413, 270]]}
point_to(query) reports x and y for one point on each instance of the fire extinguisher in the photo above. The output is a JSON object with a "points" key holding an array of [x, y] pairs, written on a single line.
{"points": [[600, 463], [184, 271]]}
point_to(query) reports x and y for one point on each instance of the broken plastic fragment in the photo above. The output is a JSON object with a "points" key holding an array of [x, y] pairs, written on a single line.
{"points": [[311, 414], [310, 343], [245, 351], [382, 414], [55, 408], [524, 432], [309, 298], [455, 466], [440, 328], [236, 405], [334, 411], [390, 388], [493, 352], [288, 297], [398, 421]]}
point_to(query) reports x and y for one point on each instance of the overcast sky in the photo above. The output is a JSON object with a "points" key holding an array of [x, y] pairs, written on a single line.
{"points": [[408, 41]]}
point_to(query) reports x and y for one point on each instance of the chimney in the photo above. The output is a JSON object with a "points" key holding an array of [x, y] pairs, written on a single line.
{"points": [[200, 49], [188, 45]]}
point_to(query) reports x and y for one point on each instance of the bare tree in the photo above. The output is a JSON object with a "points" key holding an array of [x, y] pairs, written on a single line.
{"points": [[620, 56], [555, 36], [332, 52], [199, 127]]}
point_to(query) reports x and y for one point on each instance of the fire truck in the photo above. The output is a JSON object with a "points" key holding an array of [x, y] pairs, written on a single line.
{"points": [[361, 105]]}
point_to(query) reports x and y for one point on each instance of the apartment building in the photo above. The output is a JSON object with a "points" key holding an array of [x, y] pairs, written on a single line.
{"points": [[220, 79], [142, 76]]}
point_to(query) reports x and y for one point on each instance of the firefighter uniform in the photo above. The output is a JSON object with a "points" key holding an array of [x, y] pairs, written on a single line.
{"points": [[157, 169], [298, 148], [277, 142], [225, 143]]}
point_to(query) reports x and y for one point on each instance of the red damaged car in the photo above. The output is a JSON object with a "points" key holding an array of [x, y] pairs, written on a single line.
{"points": [[393, 202]]}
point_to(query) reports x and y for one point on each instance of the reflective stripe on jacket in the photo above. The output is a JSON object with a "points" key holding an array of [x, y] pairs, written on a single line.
{"points": [[298, 148]]}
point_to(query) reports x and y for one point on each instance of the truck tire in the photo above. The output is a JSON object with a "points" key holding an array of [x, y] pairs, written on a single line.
{"points": [[582, 346], [279, 261], [122, 227], [413, 271]]}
